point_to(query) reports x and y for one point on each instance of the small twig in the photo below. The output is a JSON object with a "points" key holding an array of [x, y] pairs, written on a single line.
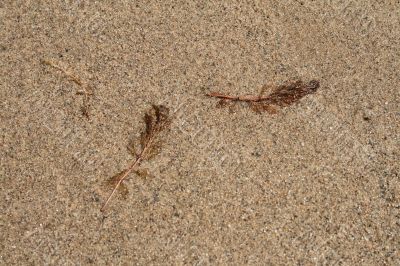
{"points": [[86, 91]]}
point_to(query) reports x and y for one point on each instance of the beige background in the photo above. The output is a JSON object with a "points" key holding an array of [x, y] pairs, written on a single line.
{"points": [[318, 183]]}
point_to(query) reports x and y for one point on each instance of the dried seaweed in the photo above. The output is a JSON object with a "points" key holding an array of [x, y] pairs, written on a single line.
{"points": [[143, 173], [284, 95], [113, 181], [87, 91], [157, 121]]}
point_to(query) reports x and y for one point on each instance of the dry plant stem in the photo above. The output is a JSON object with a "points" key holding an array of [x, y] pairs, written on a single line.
{"points": [[87, 90]]}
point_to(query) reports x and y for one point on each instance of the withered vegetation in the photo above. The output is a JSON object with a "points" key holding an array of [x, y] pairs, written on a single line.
{"points": [[86, 91], [157, 121], [282, 96]]}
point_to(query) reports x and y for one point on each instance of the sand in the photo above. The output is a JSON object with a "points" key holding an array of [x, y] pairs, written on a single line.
{"points": [[316, 184]]}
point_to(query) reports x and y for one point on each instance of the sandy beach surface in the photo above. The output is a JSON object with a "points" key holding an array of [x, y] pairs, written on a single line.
{"points": [[315, 184]]}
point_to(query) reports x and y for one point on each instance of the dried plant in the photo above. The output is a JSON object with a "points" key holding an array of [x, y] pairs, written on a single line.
{"points": [[157, 120], [87, 91], [283, 95]]}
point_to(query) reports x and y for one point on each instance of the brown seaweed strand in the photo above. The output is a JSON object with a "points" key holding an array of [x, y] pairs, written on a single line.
{"points": [[148, 138], [135, 162], [86, 91], [284, 94], [243, 98]]}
